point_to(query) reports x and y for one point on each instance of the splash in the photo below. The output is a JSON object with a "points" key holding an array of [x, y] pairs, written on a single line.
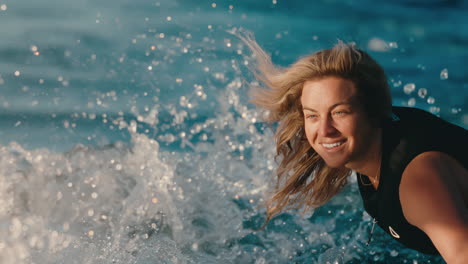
{"points": [[133, 203], [137, 202]]}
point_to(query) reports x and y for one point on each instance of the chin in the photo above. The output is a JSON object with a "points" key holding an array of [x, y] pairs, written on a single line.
{"points": [[335, 164]]}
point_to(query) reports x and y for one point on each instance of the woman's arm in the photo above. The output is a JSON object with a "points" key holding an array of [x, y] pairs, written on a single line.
{"points": [[432, 199]]}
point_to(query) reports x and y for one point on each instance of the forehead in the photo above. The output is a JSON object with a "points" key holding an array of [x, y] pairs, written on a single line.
{"points": [[327, 91]]}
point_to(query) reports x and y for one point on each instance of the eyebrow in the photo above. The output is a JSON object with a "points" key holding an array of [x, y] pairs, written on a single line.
{"points": [[331, 107]]}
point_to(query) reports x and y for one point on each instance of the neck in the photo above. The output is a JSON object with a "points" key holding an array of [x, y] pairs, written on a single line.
{"points": [[369, 163]]}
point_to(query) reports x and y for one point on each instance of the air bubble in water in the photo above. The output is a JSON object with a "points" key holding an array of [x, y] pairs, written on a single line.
{"points": [[430, 100], [444, 74]]}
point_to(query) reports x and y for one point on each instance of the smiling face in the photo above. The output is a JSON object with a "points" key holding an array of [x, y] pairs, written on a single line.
{"points": [[335, 123]]}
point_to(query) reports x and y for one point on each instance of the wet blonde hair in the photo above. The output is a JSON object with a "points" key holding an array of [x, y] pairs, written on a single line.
{"points": [[303, 178]]}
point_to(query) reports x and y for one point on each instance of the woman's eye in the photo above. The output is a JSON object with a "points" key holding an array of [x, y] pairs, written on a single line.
{"points": [[311, 116], [340, 113]]}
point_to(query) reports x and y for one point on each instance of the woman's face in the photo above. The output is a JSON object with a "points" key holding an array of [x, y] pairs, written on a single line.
{"points": [[335, 123]]}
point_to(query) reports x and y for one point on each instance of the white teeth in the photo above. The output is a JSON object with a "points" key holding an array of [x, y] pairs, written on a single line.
{"points": [[332, 145]]}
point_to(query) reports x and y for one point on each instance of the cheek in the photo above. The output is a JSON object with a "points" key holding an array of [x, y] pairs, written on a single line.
{"points": [[360, 132], [349, 127], [309, 133]]}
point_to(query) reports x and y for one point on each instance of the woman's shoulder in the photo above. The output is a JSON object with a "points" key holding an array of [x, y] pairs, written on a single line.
{"points": [[414, 115], [421, 126]]}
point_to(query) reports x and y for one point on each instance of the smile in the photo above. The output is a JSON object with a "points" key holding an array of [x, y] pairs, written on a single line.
{"points": [[332, 145]]}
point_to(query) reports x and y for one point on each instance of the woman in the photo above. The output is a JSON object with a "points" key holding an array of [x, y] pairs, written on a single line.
{"points": [[335, 116]]}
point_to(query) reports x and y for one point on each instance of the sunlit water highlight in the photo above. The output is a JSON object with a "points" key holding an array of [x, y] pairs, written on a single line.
{"points": [[126, 135]]}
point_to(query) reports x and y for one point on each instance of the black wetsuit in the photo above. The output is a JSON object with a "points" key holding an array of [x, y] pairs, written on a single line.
{"points": [[410, 133]]}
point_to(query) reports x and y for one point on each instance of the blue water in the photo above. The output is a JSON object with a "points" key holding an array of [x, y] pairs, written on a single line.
{"points": [[126, 135]]}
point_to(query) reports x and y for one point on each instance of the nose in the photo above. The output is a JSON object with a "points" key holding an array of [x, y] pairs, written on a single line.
{"points": [[326, 127]]}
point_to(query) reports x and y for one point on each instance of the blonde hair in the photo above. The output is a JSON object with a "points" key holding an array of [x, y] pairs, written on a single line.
{"points": [[303, 178]]}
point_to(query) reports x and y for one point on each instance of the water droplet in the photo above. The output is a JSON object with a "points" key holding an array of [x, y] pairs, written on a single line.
{"points": [[434, 109], [377, 44], [411, 102], [393, 45], [430, 100], [409, 88], [397, 83], [331, 256], [422, 92], [444, 74]]}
